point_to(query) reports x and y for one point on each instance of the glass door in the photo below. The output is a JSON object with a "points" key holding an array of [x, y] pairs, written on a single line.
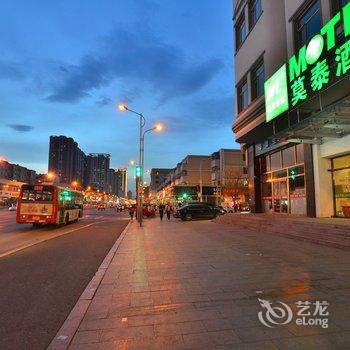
{"points": [[280, 196]]}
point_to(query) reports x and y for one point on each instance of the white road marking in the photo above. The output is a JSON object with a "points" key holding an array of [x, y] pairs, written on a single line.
{"points": [[44, 239]]}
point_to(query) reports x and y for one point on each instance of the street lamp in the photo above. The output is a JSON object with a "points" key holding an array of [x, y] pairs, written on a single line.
{"points": [[139, 179], [51, 176], [123, 107], [75, 184]]}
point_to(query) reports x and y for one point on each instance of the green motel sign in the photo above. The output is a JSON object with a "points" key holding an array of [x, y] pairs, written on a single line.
{"points": [[311, 69]]}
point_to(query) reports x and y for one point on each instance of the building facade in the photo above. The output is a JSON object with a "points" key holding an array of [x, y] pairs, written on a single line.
{"points": [[66, 160], [16, 172], [97, 170], [158, 175], [122, 181], [293, 104], [229, 175]]}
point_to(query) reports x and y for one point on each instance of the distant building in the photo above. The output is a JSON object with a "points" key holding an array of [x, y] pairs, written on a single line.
{"points": [[158, 175], [79, 165], [97, 170], [229, 174], [16, 172], [129, 194], [122, 176], [66, 159]]}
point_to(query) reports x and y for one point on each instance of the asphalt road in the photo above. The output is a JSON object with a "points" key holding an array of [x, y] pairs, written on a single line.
{"points": [[40, 284]]}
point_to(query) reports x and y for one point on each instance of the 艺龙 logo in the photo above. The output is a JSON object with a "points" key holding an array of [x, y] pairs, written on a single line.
{"points": [[273, 315]]}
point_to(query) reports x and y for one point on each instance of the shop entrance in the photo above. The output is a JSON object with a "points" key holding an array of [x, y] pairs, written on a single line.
{"points": [[341, 183], [283, 182], [280, 196]]}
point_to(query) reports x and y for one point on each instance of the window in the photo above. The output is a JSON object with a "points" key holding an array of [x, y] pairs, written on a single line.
{"points": [[276, 161], [255, 11], [308, 24], [241, 31], [242, 95], [288, 157], [337, 5], [258, 78]]}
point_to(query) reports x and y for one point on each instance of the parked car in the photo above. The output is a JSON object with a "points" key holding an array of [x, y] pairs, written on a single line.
{"points": [[13, 207], [221, 209], [101, 207], [198, 211], [245, 207]]}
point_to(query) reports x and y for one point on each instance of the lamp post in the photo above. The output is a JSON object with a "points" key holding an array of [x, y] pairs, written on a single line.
{"points": [[139, 179], [124, 107]]}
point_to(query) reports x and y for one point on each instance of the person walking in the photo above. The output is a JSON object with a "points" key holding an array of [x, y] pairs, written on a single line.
{"points": [[161, 211], [168, 211], [132, 212]]}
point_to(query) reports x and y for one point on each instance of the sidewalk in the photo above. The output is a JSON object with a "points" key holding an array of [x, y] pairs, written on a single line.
{"points": [[195, 285]]}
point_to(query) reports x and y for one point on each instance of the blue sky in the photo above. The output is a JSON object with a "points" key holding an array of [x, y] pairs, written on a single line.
{"points": [[65, 64]]}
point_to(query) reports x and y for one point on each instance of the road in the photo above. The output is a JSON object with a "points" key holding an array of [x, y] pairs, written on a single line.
{"points": [[44, 271]]}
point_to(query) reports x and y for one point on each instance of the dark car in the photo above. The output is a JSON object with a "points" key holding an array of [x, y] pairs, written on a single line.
{"points": [[198, 211]]}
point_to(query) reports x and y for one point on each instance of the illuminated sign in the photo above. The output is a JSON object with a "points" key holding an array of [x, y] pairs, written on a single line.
{"points": [[311, 69], [276, 94]]}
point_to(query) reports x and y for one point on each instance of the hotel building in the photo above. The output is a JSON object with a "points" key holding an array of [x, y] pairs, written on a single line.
{"points": [[292, 70]]}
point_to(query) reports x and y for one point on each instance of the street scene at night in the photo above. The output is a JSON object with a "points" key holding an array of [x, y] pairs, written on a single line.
{"points": [[175, 174]]}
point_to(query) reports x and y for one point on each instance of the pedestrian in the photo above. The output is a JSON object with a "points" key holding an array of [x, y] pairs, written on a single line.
{"points": [[132, 212], [161, 211], [168, 210]]}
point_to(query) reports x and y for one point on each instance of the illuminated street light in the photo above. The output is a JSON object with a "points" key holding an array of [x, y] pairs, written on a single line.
{"points": [[51, 176], [75, 184], [122, 107], [132, 162]]}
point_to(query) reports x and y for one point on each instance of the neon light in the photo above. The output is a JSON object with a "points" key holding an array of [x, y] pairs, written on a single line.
{"points": [[346, 17], [309, 69], [329, 30], [276, 94], [297, 65], [314, 49]]}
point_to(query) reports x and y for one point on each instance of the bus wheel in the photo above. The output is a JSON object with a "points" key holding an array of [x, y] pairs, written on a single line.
{"points": [[80, 214], [66, 220], [36, 224]]}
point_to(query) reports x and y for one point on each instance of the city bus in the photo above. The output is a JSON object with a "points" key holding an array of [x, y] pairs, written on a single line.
{"points": [[48, 204]]}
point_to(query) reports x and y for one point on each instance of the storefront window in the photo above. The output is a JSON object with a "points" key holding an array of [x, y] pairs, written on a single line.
{"points": [[288, 157], [276, 161], [341, 179], [297, 195], [283, 188], [300, 153]]}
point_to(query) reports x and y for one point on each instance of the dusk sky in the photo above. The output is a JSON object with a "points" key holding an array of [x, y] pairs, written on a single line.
{"points": [[64, 65]]}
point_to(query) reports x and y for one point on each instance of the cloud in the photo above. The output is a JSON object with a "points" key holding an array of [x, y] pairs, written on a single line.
{"points": [[103, 101], [139, 58], [20, 127], [202, 115], [11, 71]]}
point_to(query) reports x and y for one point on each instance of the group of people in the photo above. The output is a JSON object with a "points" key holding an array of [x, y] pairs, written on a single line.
{"points": [[166, 209]]}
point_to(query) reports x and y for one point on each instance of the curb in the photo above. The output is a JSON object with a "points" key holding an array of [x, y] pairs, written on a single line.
{"points": [[64, 336]]}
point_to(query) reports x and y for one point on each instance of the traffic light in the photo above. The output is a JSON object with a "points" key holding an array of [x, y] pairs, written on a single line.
{"points": [[138, 171]]}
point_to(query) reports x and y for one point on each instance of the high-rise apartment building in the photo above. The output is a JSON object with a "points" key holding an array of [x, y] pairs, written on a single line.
{"points": [[97, 170], [122, 180], [66, 160]]}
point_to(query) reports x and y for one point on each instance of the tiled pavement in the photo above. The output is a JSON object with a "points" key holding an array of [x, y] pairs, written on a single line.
{"points": [[195, 285]]}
